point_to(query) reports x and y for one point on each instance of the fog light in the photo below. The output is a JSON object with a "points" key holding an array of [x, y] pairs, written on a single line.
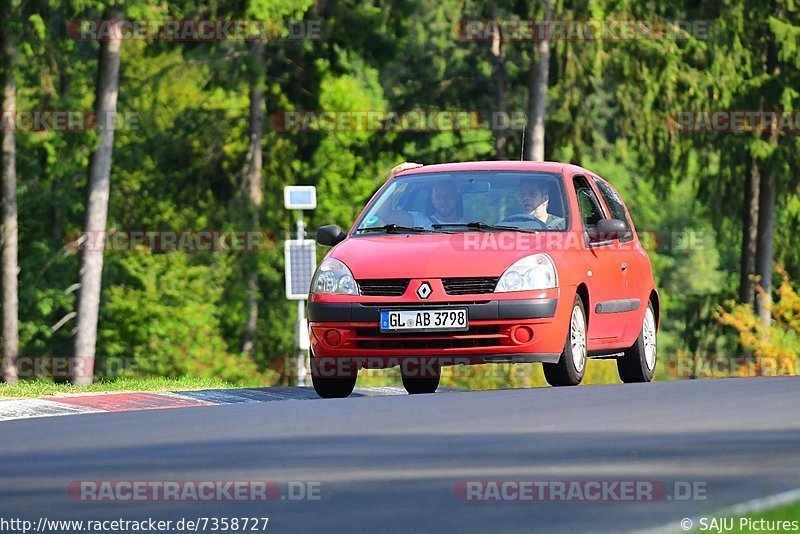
{"points": [[522, 334], [333, 337]]}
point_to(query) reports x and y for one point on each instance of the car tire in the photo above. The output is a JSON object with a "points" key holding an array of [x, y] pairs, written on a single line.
{"points": [[417, 382], [331, 387], [638, 364], [571, 365]]}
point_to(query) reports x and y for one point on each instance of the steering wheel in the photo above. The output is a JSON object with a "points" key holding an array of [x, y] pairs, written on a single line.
{"points": [[524, 217]]}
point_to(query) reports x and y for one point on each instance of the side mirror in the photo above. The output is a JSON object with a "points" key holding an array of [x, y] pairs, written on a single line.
{"points": [[330, 235], [608, 229]]}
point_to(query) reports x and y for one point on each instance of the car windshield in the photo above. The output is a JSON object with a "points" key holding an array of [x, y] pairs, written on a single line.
{"points": [[469, 201]]}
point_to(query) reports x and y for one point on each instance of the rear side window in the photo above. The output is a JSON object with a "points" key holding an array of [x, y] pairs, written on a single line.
{"points": [[615, 205]]}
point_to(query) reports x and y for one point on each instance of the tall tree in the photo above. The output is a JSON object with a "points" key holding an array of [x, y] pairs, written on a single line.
{"points": [[499, 57], [778, 53], [9, 179], [99, 187], [255, 68], [252, 178], [749, 235], [764, 244], [537, 92]]}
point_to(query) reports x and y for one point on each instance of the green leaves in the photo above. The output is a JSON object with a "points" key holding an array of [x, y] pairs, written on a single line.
{"points": [[180, 168], [788, 36], [162, 316]]}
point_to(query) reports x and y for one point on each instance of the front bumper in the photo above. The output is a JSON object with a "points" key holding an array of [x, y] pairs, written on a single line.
{"points": [[320, 312], [501, 330]]}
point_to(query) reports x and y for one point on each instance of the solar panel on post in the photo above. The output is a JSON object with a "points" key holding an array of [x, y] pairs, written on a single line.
{"points": [[301, 259]]}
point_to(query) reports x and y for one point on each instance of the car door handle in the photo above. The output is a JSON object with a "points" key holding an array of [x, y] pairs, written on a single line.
{"points": [[624, 266]]}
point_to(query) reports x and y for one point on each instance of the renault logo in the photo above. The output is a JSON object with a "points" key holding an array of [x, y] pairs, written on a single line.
{"points": [[424, 291]]}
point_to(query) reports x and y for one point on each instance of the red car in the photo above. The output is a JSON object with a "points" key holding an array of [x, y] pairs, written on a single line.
{"points": [[483, 262]]}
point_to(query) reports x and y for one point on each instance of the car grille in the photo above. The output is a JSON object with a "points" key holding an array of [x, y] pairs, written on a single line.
{"points": [[384, 287], [476, 336], [423, 304], [469, 286]]}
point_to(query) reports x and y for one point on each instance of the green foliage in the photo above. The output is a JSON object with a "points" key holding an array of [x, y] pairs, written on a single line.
{"points": [[164, 317], [180, 166], [780, 338], [342, 169]]}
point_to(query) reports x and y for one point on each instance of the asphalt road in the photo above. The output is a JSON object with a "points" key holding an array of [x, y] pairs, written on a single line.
{"points": [[390, 464]]}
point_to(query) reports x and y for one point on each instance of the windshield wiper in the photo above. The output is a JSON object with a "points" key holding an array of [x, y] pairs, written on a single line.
{"points": [[477, 225], [393, 228]]}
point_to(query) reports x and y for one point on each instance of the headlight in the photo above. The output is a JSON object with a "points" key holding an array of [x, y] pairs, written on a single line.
{"points": [[334, 277], [531, 272]]}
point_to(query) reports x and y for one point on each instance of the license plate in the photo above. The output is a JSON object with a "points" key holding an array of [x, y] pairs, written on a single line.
{"points": [[449, 320]]}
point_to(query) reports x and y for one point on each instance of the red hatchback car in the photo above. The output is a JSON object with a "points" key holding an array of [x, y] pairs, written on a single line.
{"points": [[483, 262]]}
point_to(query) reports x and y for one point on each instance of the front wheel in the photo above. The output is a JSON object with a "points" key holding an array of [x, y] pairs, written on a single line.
{"points": [[332, 378], [639, 362], [571, 365], [420, 377]]}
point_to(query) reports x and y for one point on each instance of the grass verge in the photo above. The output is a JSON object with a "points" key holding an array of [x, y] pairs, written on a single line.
{"points": [[42, 388]]}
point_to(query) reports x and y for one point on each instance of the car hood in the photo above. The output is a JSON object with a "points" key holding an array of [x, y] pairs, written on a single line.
{"points": [[469, 254]]}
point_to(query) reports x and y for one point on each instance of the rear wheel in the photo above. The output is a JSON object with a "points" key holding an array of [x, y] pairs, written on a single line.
{"points": [[639, 362], [332, 378], [571, 365], [420, 377]]}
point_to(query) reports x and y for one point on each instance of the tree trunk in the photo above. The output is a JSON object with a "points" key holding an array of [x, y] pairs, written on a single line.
{"points": [[99, 187], [537, 95], [764, 254], [498, 54], [9, 179], [767, 193], [749, 235], [252, 176]]}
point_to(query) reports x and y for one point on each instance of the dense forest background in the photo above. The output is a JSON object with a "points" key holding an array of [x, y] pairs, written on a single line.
{"points": [[718, 211]]}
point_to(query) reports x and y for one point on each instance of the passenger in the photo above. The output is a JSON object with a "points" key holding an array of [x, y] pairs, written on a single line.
{"points": [[446, 200]]}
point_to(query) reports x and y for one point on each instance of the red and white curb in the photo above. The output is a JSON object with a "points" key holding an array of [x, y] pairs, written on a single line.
{"points": [[12, 409]]}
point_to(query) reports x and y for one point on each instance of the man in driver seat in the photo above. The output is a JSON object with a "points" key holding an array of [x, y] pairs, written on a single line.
{"points": [[535, 199]]}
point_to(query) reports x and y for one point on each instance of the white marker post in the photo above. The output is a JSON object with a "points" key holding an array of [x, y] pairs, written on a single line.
{"points": [[300, 256]]}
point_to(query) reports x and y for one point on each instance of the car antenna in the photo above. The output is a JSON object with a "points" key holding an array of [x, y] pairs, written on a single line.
{"points": [[522, 148]]}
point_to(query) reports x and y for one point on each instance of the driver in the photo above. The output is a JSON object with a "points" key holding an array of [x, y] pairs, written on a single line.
{"points": [[535, 199]]}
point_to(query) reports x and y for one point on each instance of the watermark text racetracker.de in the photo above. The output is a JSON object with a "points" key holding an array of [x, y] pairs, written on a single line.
{"points": [[724, 366], [580, 30], [190, 30], [102, 526], [171, 241], [682, 241], [734, 121], [579, 490], [65, 120], [193, 490], [64, 366], [446, 120]]}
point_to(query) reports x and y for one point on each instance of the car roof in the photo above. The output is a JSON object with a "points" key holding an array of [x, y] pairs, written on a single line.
{"points": [[542, 166]]}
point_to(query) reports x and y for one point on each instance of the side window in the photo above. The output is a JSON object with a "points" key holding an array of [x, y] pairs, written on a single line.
{"points": [[589, 205], [615, 205]]}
